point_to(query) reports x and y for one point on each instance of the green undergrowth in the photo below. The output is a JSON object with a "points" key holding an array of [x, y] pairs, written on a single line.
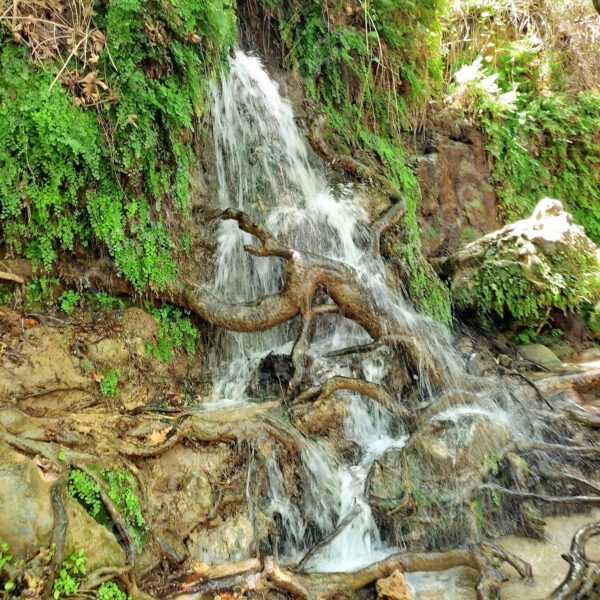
{"points": [[371, 67], [73, 175], [508, 290], [176, 332], [120, 487]]}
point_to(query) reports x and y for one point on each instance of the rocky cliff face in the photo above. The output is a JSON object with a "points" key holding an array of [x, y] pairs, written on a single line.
{"points": [[458, 203]]}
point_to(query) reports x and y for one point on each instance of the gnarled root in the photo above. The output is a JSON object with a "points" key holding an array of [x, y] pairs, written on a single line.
{"points": [[320, 393], [335, 586], [583, 578]]}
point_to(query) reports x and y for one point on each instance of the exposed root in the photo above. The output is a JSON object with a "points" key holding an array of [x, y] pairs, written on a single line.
{"points": [[320, 393], [386, 221], [335, 586], [542, 498], [59, 535], [583, 578]]}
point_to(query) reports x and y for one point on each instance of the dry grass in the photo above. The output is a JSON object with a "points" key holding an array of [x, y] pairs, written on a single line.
{"points": [[569, 28], [55, 30]]}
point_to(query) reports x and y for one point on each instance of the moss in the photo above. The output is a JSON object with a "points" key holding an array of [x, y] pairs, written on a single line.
{"points": [[76, 174], [508, 289]]}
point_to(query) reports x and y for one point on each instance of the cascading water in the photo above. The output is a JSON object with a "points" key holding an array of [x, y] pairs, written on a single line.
{"points": [[264, 166]]}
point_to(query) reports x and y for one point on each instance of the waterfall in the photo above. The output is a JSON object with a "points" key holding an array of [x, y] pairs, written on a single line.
{"points": [[265, 167]]}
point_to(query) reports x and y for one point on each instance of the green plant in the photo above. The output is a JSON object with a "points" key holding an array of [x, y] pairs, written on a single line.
{"points": [[109, 383], [109, 590], [175, 332], [86, 490], [68, 300], [505, 289], [121, 491], [41, 290], [105, 301], [120, 486], [66, 583], [5, 558], [70, 173]]}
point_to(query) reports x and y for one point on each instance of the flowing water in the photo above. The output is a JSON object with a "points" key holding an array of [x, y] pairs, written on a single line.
{"points": [[265, 167]]}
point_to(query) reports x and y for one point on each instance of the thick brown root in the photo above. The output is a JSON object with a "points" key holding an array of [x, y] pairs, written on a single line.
{"points": [[583, 579], [336, 586]]}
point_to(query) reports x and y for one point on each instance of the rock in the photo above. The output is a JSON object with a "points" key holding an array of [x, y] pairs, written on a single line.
{"points": [[540, 355], [543, 256], [26, 513], [100, 545], [44, 363], [109, 352], [232, 540], [394, 587], [458, 203]]}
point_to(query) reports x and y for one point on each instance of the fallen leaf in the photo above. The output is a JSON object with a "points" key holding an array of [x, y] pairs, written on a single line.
{"points": [[158, 436]]}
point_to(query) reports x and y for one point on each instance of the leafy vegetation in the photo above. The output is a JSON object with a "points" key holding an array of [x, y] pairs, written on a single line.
{"points": [[5, 558], [542, 129], [507, 289], [176, 332], [67, 581], [109, 590], [102, 158], [69, 300], [120, 489], [109, 383]]}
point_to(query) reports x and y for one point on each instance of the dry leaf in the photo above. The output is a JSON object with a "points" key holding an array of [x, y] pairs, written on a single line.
{"points": [[158, 436]]}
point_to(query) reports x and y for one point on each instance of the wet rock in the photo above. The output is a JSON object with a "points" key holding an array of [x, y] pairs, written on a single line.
{"points": [[233, 539], [26, 513], [458, 202], [540, 355], [272, 378], [109, 351], [545, 248], [394, 587], [100, 545]]}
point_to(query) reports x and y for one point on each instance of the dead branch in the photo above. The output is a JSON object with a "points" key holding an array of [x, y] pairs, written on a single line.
{"points": [[5, 276], [583, 578]]}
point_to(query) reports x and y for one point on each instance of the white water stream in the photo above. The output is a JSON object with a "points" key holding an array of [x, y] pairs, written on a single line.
{"points": [[265, 167]]}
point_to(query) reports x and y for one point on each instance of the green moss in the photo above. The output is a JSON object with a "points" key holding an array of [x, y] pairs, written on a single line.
{"points": [[505, 289], [70, 174]]}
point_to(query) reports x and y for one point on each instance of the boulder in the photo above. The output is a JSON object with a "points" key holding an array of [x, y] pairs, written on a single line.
{"points": [[526, 268], [540, 355]]}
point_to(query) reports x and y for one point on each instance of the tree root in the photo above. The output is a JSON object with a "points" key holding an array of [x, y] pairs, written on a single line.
{"points": [[59, 535], [335, 586], [320, 393], [542, 498], [583, 578]]}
